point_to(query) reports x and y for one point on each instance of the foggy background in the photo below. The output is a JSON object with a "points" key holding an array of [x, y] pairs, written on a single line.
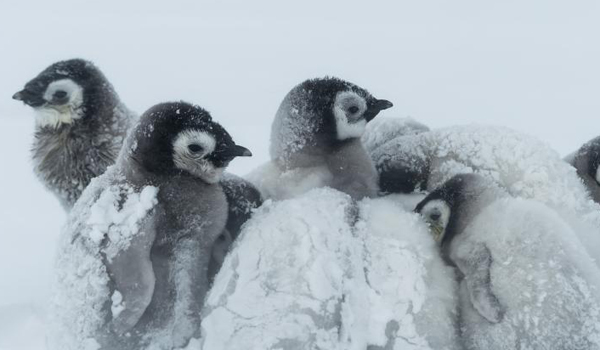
{"points": [[533, 67]]}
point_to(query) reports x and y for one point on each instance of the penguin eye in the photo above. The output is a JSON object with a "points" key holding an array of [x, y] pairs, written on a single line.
{"points": [[435, 215], [195, 148], [60, 94], [353, 109]]}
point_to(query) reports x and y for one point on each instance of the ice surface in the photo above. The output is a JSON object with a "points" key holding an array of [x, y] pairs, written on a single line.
{"points": [[547, 285], [307, 273]]}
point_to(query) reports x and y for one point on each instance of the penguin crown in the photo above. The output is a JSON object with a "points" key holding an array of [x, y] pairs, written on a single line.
{"points": [[67, 91], [181, 138]]}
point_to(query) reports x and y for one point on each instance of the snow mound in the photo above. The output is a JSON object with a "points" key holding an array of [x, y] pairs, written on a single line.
{"points": [[381, 130], [524, 166], [308, 273], [99, 226], [557, 302], [411, 291]]}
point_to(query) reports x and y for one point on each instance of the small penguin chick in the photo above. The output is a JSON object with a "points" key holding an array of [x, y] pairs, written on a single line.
{"points": [[587, 160], [80, 126], [158, 263], [527, 281], [448, 211], [318, 126]]}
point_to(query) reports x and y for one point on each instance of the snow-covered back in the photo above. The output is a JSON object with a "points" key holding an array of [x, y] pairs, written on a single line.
{"points": [[521, 164], [546, 284], [100, 225], [383, 129], [317, 272]]}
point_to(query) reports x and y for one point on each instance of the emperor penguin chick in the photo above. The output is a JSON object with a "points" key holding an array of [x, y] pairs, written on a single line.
{"points": [[587, 161], [142, 236], [526, 280], [315, 141], [80, 126]]}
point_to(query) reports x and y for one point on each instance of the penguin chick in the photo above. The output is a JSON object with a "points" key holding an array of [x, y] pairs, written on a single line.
{"points": [[586, 160], [315, 141], [155, 254], [80, 126], [526, 280]]}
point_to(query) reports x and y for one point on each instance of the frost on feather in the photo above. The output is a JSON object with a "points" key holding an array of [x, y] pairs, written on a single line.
{"points": [[99, 225], [521, 164]]}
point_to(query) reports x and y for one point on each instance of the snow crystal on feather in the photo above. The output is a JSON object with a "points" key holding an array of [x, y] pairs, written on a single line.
{"points": [[557, 302], [293, 280], [99, 224], [381, 130], [411, 290], [521, 164]]}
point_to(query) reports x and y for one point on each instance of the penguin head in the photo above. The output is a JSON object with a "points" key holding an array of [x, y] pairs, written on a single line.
{"points": [[451, 207], [342, 109], [179, 138], [320, 114], [593, 160], [65, 92]]}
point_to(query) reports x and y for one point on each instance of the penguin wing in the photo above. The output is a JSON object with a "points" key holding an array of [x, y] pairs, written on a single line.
{"points": [[132, 273], [475, 262]]}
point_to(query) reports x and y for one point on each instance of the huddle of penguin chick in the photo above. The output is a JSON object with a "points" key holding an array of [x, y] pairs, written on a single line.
{"points": [[151, 212], [153, 215]]}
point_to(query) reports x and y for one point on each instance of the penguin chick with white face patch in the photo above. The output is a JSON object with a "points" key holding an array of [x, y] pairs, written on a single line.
{"points": [[156, 253], [80, 126], [317, 130], [527, 282], [587, 161]]}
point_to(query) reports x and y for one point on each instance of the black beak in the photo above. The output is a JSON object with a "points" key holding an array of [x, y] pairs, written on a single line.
{"points": [[375, 107], [237, 151], [18, 96]]}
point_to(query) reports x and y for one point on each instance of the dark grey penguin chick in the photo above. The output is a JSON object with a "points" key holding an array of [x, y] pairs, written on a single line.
{"points": [[586, 160], [317, 130], [80, 126], [158, 269]]}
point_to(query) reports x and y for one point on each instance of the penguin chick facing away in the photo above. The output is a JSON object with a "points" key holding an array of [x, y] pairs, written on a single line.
{"points": [[586, 160], [315, 141], [80, 126], [526, 280], [151, 221]]}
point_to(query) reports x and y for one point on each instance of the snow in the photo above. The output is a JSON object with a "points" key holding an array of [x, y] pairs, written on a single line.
{"points": [[529, 66], [523, 165], [557, 302], [315, 275], [107, 217]]}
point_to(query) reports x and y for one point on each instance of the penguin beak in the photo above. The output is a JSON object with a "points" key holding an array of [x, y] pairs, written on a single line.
{"points": [[375, 107], [18, 96], [28, 98], [237, 151]]}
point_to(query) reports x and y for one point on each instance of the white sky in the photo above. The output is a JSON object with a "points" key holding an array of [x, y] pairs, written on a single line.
{"points": [[530, 65]]}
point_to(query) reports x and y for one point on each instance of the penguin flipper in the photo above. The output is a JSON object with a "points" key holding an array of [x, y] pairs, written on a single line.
{"points": [[132, 273], [476, 268]]}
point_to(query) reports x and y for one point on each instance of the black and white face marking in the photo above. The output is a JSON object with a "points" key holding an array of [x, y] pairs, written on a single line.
{"points": [[190, 151], [348, 110], [62, 104], [437, 215]]}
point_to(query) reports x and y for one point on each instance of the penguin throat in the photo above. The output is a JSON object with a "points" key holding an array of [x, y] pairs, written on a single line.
{"points": [[344, 128], [54, 117]]}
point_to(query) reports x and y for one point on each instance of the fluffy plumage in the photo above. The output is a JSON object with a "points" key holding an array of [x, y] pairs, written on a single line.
{"points": [[315, 141], [133, 267], [527, 282], [80, 126], [587, 160]]}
